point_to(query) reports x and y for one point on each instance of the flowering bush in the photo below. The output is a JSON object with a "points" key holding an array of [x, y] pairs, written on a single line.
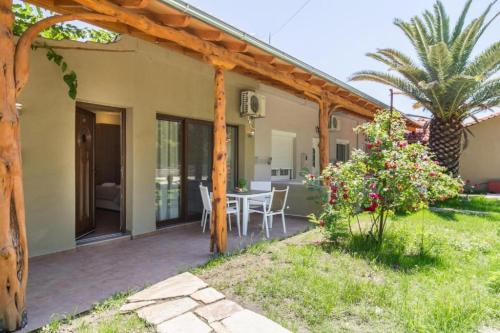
{"points": [[391, 176]]}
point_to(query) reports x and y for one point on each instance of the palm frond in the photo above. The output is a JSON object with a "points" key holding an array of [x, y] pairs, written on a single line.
{"points": [[403, 85], [486, 64], [440, 59], [457, 31], [442, 30]]}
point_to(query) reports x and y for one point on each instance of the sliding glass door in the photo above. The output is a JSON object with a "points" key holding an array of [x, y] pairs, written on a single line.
{"points": [[168, 169], [184, 161]]}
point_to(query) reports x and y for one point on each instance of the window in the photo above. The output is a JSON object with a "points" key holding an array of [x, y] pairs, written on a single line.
{"points": [[342, 152], [333, 123], [282, 153]]}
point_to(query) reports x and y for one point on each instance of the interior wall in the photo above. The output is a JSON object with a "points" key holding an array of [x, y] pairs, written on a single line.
{"points": [[136, 75]]}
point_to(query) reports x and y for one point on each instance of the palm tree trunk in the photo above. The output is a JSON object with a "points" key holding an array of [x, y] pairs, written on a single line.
{"points": [[444, 141]]}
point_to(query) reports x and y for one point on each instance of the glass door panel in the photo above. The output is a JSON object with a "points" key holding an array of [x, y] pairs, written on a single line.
{"points": [[199, 146], [168, 179]]}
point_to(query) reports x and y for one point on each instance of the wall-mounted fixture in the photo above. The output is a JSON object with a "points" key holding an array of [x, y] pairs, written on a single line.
{"points": [[252, 106]]}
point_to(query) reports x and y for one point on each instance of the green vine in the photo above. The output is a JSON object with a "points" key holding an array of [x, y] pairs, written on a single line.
{"points": [[26, 15]]}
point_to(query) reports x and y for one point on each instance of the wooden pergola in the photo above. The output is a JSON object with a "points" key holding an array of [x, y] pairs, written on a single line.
{"points": [[172, 24]]}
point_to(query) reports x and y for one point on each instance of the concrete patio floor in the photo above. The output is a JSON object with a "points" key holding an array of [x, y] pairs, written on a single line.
{"points": [[70, 282]]}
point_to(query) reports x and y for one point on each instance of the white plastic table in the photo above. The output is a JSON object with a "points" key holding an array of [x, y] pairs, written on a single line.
{"points": [[243, 197]]}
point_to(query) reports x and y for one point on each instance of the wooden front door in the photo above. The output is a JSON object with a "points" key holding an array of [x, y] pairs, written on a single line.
{"points": [[84, 159]]}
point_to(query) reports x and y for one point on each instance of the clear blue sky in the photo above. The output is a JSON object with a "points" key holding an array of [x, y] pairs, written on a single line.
{"points": [[335, 35]]}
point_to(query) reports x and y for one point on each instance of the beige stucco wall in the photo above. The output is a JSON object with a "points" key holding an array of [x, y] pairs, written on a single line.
{"points": [[480, 161], [284, 113], [348, 121], [144, 79]]}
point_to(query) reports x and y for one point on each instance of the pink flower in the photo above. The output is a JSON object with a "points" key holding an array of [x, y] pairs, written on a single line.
{"points": [[369, 146], [373, 186], [321, 223], [312, 177], [374, 196], [332, 201], [432, 174]]}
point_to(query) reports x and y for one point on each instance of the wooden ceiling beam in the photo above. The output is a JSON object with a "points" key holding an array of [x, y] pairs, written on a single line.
{"points": [[66, 3], [262, 57], [208, 35], [286, 68], [176, 21], [317, 82], [236, 46], [132, 4], [302, 76]]}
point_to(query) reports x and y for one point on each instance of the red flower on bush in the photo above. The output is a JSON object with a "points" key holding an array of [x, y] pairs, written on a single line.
{"points": [[321, 223]]}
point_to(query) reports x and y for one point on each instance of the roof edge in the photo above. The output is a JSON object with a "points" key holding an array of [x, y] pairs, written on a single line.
{"points": [[214, 21]]}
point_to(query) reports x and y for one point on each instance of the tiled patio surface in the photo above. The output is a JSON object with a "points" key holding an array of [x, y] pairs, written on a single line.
{"points": [[70, 282]]}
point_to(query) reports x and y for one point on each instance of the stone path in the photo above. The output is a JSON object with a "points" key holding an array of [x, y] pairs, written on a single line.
{"points": [[186, 304]]}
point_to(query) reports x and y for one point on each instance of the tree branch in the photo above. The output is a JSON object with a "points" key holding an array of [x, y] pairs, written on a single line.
{"points": [[24, 43]]}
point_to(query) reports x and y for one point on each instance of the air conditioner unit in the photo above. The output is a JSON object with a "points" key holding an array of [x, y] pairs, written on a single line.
{"points": [[252, 105]]}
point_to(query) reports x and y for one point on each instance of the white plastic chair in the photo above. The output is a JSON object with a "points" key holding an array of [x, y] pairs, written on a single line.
{"points": [[233, 207], [276, 207], [259, 186]]}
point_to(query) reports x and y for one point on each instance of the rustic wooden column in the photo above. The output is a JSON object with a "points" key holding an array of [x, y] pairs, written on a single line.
{"points": [[13, 244], [218, 225], [14, 61], [324, 140]]}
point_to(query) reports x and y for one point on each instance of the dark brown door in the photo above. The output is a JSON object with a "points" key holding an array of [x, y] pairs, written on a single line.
{"points": [[84, 148]]}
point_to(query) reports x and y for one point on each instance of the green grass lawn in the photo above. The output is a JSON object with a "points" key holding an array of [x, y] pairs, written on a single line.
{"points": [[477, 203], [436, 272]]}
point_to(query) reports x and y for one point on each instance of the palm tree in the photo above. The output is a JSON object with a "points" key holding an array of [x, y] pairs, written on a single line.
{"points": [[446, 80]]}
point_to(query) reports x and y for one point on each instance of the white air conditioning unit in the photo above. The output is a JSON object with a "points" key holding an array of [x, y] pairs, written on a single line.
{"points": [[252, 105]]}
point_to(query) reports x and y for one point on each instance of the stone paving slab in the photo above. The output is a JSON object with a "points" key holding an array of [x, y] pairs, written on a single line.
{"points": [[129, 307], [218, 311], [187, 323], [247, 321], [184, 304], [158, 313], [208, 295], [180, 285]]}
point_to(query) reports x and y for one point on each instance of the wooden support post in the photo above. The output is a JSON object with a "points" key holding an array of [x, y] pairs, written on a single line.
{"points": [[324, 144], [13, 243], [218, 225]]}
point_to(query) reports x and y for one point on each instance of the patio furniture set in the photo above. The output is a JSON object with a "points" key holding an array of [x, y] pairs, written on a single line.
{"points": [[262, 199]]}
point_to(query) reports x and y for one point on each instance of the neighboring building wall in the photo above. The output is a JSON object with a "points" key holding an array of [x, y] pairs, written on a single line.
{"points": [[480, 161], [348, 121], [136, 75]]}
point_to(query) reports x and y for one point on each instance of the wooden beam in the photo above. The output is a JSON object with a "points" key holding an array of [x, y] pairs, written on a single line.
{"points": [[176, 21], [317, 82], [302, 76], [285, 68], [324, 140], [236, 46], [208, 35], [277, 72], [218, 225], [263, 57], [66, 3], [133, 4]]}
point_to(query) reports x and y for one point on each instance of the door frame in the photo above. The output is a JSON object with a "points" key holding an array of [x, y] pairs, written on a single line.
{"points": [[183, 216], [123, 155]]}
